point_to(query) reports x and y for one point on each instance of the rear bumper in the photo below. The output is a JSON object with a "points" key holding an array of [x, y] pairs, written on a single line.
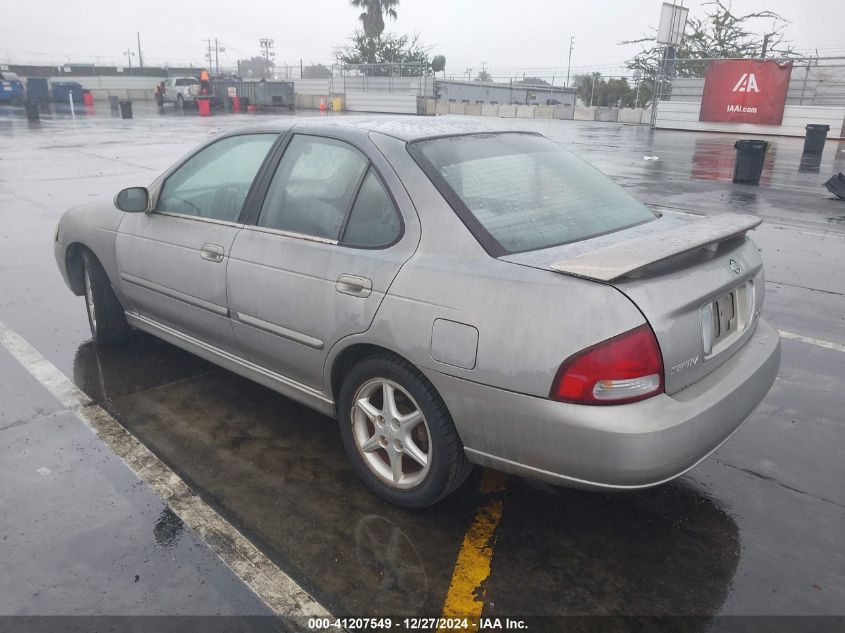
{"points": [[618, 447]]}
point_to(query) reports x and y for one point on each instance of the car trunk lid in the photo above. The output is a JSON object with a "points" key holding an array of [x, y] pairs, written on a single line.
{"points": [[698, 281]]}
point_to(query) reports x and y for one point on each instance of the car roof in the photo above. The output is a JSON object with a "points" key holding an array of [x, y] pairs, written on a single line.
{"points": [[414, 128], [404, 127]]}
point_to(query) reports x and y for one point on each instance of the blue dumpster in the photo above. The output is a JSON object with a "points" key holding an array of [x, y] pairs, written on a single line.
{"points": [[62, 89], [37, 90], [11, 88]]}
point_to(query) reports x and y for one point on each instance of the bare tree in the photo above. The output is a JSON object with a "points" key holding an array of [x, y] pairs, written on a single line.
{"points": [[719, 34]]}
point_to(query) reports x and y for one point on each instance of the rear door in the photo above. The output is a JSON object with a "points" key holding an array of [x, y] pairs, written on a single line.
{"points": [[328, 240], [172, 261]]}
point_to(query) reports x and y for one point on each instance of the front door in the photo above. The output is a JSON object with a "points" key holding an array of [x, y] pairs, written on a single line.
{"points": [[172, 261], [315, 267]]}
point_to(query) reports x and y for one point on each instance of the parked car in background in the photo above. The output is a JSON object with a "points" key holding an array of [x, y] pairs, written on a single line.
{"points": [[11, 88], [181, 90], [453, 292]]}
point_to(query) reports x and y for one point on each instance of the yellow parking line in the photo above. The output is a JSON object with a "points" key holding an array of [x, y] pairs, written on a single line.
{"points": [[465, 597]]}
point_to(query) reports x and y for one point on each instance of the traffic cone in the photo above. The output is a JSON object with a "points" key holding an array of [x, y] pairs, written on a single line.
{"points": [[322, 105]]}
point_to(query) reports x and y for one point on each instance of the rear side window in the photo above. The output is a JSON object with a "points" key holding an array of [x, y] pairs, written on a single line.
{"points": [[373, 221], [522, 192], [313, 187]]}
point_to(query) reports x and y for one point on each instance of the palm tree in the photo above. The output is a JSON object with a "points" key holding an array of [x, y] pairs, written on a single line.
{"points": [[373, 15]]}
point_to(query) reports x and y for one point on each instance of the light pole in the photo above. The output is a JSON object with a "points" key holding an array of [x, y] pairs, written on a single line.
{"points": [[593, 89], [637, 77], [129, 55], [766, 37], [569, 65]]}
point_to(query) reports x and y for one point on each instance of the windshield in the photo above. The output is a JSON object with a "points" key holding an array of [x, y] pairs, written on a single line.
{"points": [[520, 192]]}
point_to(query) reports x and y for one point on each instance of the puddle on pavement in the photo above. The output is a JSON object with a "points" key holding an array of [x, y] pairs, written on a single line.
{"points": [[277, 470]]}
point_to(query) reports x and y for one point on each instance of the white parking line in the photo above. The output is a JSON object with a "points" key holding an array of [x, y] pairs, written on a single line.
{"points": [[812, 341], [275, 588]]}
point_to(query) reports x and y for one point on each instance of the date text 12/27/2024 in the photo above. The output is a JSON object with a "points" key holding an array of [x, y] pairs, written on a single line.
{"points": [[417, 624]]}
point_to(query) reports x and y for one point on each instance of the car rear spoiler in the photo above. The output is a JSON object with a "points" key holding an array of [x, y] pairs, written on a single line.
{"points": [[627, 257]]}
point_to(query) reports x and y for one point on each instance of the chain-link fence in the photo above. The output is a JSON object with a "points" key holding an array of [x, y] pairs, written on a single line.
{"points": [[814, 81]]}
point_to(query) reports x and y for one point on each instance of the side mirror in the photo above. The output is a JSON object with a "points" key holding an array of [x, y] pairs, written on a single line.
{"points": [[133, 200]]}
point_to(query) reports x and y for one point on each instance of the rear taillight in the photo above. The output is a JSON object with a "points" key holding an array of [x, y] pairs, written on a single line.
{"points": [[625, 368]]}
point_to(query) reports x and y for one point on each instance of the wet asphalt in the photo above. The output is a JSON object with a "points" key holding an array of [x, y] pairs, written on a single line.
{"points": [[754, 530]]}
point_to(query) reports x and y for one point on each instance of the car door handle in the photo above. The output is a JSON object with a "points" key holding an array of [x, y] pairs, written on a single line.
{"points": [[354, 285], [212, 253]]}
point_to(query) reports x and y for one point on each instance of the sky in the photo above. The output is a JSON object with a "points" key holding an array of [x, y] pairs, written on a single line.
{"points": [[503, 34]]}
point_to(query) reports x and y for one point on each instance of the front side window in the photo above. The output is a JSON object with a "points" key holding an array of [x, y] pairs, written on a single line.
{"points": [[522, 192], [373, 221], [313, 187], [214, 183]]}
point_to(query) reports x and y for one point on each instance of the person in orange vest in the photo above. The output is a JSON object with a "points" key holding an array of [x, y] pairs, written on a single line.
{"points": [[204, 82], [159, 94]]}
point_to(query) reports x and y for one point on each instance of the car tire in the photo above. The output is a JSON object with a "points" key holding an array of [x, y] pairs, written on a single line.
{"points": [[426, 435], [105, 313]]}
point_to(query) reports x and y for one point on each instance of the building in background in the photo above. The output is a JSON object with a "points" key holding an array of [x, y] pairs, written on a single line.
{"points": [[503, 93], [255, 68]]}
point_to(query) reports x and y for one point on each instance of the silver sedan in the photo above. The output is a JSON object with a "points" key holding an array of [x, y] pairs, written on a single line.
{"points": [[453, 292]]}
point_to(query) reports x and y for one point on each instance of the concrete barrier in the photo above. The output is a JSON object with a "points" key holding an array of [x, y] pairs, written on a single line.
{"points": [[630, 115], [583, 113], [646, 116], [525, 112], [430, 106], [457, 107], [606, 115], [507, 111], [473, 109], [543, 112], [489, 109], [442, 107], [564, 112]]}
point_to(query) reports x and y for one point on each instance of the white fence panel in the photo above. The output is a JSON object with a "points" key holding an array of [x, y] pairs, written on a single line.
{"points": [[376, 102], [316, 87], [683, 115]]}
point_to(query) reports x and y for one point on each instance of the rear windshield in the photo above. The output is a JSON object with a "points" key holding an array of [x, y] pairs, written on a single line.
{"points": [[522, 192]]}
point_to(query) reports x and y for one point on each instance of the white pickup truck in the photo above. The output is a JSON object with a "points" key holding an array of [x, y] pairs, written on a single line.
{"points": [[181, 90]]}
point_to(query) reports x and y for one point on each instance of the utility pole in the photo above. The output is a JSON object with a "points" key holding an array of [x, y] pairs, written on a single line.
{"points": [[484, 69], [140, 57], [267, 45], [593, 89], [208, 53], [569, 66], [217, 50]]}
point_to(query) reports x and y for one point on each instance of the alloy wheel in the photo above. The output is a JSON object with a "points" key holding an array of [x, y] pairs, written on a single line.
{"points": [[391, 433]]}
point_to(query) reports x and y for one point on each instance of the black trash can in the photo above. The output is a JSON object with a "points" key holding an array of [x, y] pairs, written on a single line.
{"points": [[815, 138], [836, 185], [32, 113], [114, 103], [749, 161], [125, 109]]}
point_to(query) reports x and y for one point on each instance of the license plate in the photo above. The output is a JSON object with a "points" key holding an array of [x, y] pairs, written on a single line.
{"points": [[724, 313], [725, 318]]}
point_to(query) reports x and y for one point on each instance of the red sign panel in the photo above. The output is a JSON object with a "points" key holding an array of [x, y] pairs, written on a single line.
{"points": [[745, 91]]}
